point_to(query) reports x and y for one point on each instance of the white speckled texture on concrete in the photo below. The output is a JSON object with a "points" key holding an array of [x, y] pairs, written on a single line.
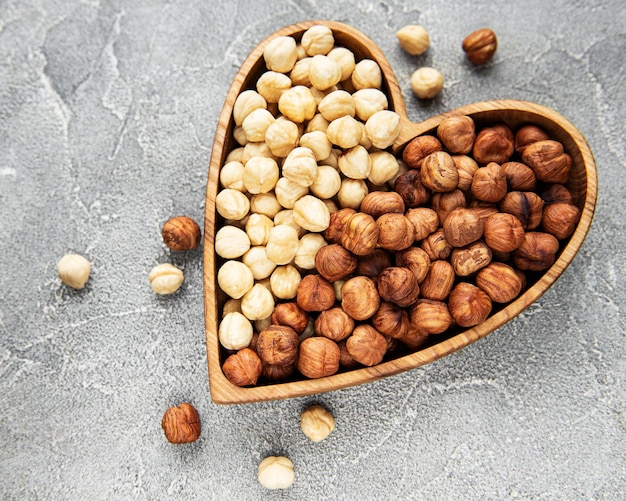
{"points": [[107, 115]]}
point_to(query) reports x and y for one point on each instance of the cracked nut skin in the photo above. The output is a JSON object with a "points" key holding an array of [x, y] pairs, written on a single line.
{"points": [[181, 424], [480, 45], [243, 368], [318, 357], [468, 304], [181, 233]]}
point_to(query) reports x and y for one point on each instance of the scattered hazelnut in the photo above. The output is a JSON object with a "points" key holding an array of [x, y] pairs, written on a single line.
{"points": [[243, 368], [337, 221], [519, 177], [235, 331], [276, 472], [74, 270], [181, 233], [391, 320], [395, 231], [318, 357], [557, 193], [360, 298], [374, 263], [418, 149], [360, 234], [425, 221], [278, 345], [181, 424], [426, 83], [413, 39], [317, 422], [334, 324], [444, 203], [416, 260], [525, 206], [480, 45], [467, 167], [377, 203], [436, 245], [560, 219], [366, 345], [468, 304], [529, 134], [438, 282], [165, 278]]}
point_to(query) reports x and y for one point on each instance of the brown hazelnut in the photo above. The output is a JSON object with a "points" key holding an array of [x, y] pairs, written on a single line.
{"points": [[243, 368], [338, 219], [278, 345], [398, 285], [501, 283], [360, 234], [414, 339], [334, 324], [181, 233], [444, 203], [560, 219], [470, 259], [359, 298], [480, 45], [489, 183], [425, 221], [315, 293], [346, 361], [503, 232], [529, 134], [439, 172], [395, 232], [537, 252], [436, 246], [548, 160], [493, 144], [466, 166], [468, 305], [377, 203], [318, 357], [372, 264], [483, 210], [181, 424], [291, 315], [416, 260], [430, 317], [410, 187], [391, 320], [418, 149], [519, 177], [525, 206], [457, 134], [334, 262], [366, 345], [277, 372], [557, 193], [438, 282], [462, 227]]}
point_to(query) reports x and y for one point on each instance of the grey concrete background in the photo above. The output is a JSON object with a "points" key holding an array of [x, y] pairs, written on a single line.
{"points": [[107, 115]]}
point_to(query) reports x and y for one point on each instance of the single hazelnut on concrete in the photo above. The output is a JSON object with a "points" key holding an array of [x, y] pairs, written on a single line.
{"points": [[467, 167], [377, 203], [503, 232], [334, 324], [457, 134], [548, 160], [444, 203], [366, 345], [480, 45], [317, 422], [318, 357], [74, 270], [537, 252], [470, 259], [560, 219], [166, 278], [414, 39], [334, 262], [419, 148], [438, 282], [468, 304], [436, 245], [391, 320], [425, 221], [278, 345], [519, 177], [410, 187], [291, 315], [181, 424], [243, 368], [315, 293], [360, 234], [181, 233], [276, 472], [529, 134], [501, 283], [416, 260], [489, 183], [374, 263], [360, 298], [430, 317], [398, 285], [493, 144], [462, 227], [439, 172], [395, 232], [525, 206], [426, 82], [338, 219]]}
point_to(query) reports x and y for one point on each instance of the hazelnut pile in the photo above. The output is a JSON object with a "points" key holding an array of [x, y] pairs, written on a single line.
{"points": [[338, 255]]}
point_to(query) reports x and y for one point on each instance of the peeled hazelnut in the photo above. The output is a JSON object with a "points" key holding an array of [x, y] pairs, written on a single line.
{"points": [[444, 203], [291, 315], [374, 263], [529, 134], [243, 368], [426, 82], [360, 234], [410, 187], [360, 298], [334, 324], [382, 128], [166, 278], [181, 424], [276, 472], [438, 282], [548, 160], [377, 203], [470, 259], [480, 45], [318, 357], [525, 206], [391, 320], [519, 177], [284, 281], [416, 260], [352, 192], [398, 285], [74, 270], [489, 183], [457, 134], [395, 232], [436, 246], [278, 345], [311, 213], [181, 233], [316, 422], [257, 303], [419, 148], [366, 75], [537, 252], [467, 167], [235, 331], [501, 283], [338, 219], [307, 250], [439, 172], [425, 221], [462, 227], [366, 345], [315, 293], [430, 317], [503, 232], [413, 39], [493, 144], [468, 304], [560, 219], [557, 193]]}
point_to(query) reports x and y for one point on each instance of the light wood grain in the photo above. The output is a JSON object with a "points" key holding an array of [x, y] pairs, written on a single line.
{"points": [[583, 184]]}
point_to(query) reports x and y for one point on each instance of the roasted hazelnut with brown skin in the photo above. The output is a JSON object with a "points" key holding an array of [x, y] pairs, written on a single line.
{"points": [[548, 160], [398, 285], [436, 246], [537, 252], [366, 345], [346, 361], [529, 134], [315, 293], [373, 264], [416, 260], [560, 219], [501, 283], [243, 368], [277, 372], [503, 232], [430, 317], [377, 203], [181, 424], [360, 234], [439, 172], [418, 149], [414, 339], [391, 320], [318, 357], [493, 144], [525, 206], [181, 233], [483, 210], [278, 345], [519, 177], [557, 193], [338, 219], [425, 221], [395, 232], [468, 304], [334, 324], [457, 134], [438, 282], [410, 187], [291, 315], [334, 262], [470, 259], [467, 167], [480, 45], [462, 227], [489, 183], [444, 203], [360, 298]]}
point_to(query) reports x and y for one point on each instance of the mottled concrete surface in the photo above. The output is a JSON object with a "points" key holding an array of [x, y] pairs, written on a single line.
{"points": [[107, 116]]}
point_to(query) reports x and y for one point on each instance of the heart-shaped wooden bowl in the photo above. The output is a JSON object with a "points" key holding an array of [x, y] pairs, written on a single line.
{"points": [[582, 184]]}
